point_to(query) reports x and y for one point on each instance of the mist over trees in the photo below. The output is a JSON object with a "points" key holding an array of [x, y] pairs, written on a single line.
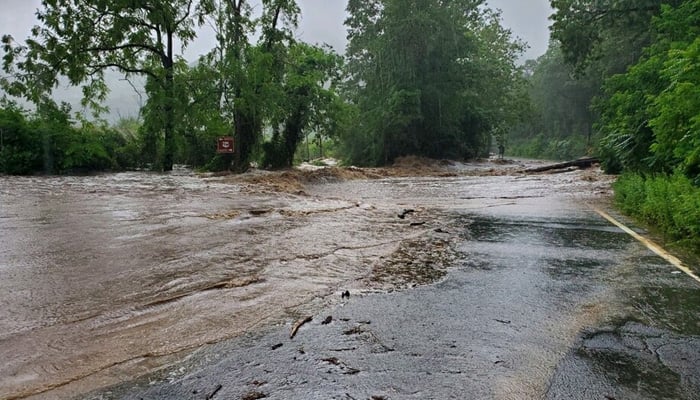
{"points": [[427, 77]]}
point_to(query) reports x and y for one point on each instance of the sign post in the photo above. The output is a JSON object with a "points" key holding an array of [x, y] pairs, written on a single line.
{"points": [[224, 145]]}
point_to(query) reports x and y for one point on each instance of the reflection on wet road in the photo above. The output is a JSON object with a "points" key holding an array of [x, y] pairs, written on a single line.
{"points": [[110, 277]]}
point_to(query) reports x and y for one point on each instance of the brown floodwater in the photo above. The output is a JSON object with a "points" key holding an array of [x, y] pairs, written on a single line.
{"points": [[107, 277]]}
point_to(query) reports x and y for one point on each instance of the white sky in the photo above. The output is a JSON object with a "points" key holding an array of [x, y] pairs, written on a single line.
{"points": [[322, 21]]}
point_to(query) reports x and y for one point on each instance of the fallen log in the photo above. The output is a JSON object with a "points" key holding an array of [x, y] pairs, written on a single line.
{"points": [[298, 325], [582, 163]]}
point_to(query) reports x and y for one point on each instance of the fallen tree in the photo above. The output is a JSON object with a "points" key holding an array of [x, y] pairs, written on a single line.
{"points": [[582, 163]]}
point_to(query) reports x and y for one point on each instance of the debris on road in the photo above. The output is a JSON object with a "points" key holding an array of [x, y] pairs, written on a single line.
{"points": [[406, 212], [216, 390], [254, 396], [298, 325]]}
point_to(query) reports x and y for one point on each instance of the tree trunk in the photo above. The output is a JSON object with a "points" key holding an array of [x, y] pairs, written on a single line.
{"points": [[169, 108], [582, 163]]}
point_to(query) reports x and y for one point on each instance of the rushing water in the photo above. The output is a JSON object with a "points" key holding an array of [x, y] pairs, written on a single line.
{"points": [[104, 277]]}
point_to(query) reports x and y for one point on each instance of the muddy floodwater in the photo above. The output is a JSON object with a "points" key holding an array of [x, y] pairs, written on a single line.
{"points": [[107, 278]]}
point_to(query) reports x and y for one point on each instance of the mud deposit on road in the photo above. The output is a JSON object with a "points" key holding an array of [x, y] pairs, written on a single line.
{"points": [[495, 327]]}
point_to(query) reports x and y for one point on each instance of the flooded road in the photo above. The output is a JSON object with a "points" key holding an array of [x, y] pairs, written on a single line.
{"points": [[109, 278]]}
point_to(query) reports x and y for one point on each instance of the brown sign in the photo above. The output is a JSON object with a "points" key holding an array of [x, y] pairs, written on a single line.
{"points": [[224, 145]]}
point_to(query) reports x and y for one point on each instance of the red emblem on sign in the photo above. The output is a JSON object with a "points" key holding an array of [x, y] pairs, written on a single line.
{"points": [[224, 145]]}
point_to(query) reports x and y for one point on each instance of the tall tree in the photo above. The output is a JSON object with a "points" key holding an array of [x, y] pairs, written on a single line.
{"points": [[248, 74], [81, 39], [430, 77], [309, 82], [612, 33]]}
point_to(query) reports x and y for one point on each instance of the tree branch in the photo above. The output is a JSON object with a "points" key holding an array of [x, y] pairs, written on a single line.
{"points": [[136, 91], [143, 46], [187, 14], [96, 67]]}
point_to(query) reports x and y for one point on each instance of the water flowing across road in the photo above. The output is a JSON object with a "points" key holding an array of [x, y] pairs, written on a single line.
{"points": [[108, 277]]}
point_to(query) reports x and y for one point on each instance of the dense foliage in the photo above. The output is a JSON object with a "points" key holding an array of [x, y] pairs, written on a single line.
{"points": [[592, 41], [645, 53], [49, 142], [257, 79], [426, 77], [81, 39], [650, 114]]}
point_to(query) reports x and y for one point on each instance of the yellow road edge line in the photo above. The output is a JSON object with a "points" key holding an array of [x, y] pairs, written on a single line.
{"points": [[650, 245]]}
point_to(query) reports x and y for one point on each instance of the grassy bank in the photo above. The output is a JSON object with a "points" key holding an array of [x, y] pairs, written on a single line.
{"points": [[668, 204]]}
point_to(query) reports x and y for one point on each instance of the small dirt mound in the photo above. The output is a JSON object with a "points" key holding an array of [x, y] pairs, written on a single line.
{"points": [[286, 181], [420, 166], [295, 180]]}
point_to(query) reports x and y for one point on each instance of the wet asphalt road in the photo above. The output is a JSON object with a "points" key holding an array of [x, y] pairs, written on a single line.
{"points": [[545, 301]]}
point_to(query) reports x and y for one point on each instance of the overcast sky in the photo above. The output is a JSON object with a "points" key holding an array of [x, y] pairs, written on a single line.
{"points": [[322, 22]]}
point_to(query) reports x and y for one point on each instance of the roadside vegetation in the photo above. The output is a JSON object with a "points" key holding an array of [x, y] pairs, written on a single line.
{"points": [[50, 142], [644, 58], [669, 204]]}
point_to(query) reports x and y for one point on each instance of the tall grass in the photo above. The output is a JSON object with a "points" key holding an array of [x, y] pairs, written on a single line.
{"points": [[669, 204]]}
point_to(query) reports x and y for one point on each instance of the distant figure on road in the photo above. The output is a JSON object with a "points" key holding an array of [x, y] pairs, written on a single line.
{"points": [[501, 151]]}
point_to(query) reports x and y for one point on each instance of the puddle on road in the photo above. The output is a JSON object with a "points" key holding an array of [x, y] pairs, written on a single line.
{"points": [[674, 308], [582, 234], [571, 268]]}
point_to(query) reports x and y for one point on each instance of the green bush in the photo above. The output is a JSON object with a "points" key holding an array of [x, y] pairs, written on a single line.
{"points": [[671, 204], [20, 147], [541, 147], [50, 143]]}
